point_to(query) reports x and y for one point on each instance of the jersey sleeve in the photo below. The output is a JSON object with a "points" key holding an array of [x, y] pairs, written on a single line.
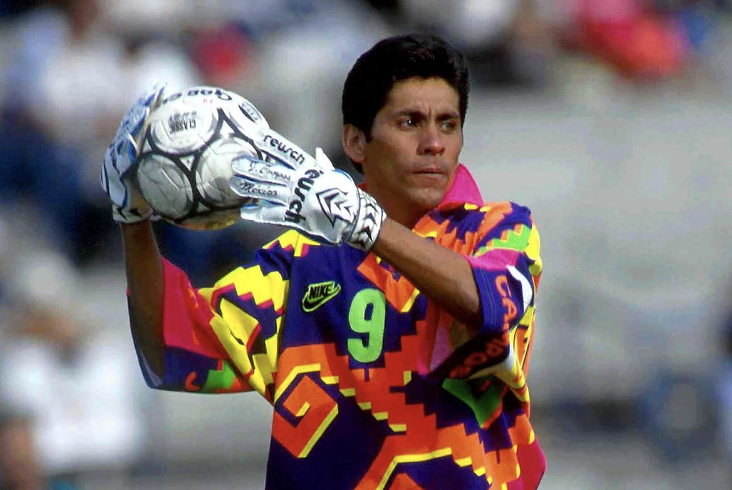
{"points": [[225, 338], [507, 268]]}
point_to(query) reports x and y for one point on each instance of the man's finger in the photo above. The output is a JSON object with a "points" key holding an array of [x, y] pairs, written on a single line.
{"points": [[261, 171], [281, 149], [254, 189], [263, 212]]}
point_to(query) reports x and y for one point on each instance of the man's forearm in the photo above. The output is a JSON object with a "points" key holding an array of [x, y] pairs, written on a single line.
{"points": [[441, 274], [145, 282]]}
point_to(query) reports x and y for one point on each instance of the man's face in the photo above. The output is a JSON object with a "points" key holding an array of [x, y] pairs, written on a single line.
{"points": [[416, 141]]}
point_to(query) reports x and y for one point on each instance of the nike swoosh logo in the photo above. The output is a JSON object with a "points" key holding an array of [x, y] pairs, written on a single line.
{"points": [[318, 294]]}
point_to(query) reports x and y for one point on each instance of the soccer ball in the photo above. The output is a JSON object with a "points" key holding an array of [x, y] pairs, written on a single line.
{"points": [[186, 150]]}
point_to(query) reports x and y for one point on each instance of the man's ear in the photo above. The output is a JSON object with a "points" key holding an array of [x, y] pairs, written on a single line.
{"points": [[354, 143]]}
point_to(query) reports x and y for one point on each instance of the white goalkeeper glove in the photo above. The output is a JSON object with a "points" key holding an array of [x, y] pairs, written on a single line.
{"points": [[117, 174], [308, 194]]}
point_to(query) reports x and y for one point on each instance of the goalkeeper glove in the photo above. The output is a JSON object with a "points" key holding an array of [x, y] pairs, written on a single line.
{"points": [[117, 175], [308, 194]]}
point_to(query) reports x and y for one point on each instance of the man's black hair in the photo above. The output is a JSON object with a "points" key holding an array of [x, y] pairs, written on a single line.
{"points": [[395, 59]]}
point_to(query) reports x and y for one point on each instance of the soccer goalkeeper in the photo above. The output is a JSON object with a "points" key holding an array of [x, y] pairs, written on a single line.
{"points": [[391, 325]]}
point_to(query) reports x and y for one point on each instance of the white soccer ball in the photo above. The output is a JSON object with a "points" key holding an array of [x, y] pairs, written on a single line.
{"points": [[186, 151]]}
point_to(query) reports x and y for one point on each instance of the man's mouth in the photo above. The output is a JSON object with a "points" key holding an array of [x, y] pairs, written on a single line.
{"points": [[430, 170]]}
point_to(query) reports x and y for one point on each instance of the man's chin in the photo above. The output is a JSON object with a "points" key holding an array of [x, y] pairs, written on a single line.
{"points": [[427, 199]]}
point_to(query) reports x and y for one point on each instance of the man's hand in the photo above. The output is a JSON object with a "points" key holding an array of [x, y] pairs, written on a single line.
{"points": [[117, 179], [310, 195]]}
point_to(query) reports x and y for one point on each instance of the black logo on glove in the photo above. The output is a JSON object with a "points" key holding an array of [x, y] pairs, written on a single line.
{"points": [[334, 204], [303, 185], [283, 149]]}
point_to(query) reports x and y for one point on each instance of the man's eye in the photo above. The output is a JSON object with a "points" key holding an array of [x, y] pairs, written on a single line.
{"points": [[406, 123], [449, 125]]}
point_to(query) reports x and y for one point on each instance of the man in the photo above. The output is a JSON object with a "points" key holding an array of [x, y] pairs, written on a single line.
{"points": [[394, 346], [20, 468]]}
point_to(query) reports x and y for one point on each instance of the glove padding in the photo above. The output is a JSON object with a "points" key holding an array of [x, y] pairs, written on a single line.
{"points": [[117, 176], [308, 194]]}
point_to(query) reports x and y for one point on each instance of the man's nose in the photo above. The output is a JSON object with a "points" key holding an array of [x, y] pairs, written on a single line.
{"points": [[431, 141]]}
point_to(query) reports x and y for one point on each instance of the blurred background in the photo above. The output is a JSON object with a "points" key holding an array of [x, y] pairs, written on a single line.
{"points": [[609, 118]]}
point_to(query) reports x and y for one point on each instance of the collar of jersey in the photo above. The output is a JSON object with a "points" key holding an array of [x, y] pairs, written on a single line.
{"points": [[463, 189]]}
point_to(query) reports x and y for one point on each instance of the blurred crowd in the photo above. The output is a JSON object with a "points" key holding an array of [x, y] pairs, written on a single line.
{"points": [[69, 69]]}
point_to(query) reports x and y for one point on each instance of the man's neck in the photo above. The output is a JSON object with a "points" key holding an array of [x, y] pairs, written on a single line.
{"points": [[403, 213]]}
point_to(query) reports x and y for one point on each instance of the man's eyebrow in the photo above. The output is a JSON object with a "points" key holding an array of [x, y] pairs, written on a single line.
{"points": [[448, 115], [441, 115], [409, 111]]}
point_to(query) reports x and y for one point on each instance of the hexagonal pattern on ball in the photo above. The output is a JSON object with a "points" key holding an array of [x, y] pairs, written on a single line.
{"points": [[165, 186]]}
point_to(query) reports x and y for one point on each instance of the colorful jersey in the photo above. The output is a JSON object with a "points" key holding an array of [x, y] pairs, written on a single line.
{"points": [[374, 385]]}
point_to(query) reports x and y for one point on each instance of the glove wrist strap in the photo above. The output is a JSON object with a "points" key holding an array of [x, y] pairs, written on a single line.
{"points": [[130, 216], [368, 222]]}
